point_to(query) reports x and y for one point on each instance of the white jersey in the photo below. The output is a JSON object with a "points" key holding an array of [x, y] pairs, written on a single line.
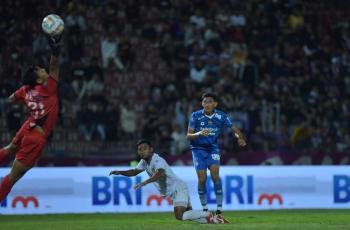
{"points": [[167, 185]]}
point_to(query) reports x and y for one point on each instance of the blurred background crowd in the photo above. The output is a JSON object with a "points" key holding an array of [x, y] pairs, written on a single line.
{"points": [[137, 68]]}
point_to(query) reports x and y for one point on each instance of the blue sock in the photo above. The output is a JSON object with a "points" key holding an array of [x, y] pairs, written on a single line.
{"points": [[202, 192], [218, 193]]}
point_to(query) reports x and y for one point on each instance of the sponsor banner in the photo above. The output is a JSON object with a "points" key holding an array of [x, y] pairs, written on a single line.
{"points": [[90, 189]]}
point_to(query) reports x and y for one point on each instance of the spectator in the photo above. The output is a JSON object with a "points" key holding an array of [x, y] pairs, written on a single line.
{"points": [[127, 120], [282, 139], [125, 55], [94, 86], [109, 48], [268, 59], [198, 73], [179, 141], [83, 122]]}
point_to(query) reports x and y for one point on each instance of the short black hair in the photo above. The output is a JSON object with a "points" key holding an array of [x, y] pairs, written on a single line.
{"points": [[213, 95], [144, 141], [29, 77]]}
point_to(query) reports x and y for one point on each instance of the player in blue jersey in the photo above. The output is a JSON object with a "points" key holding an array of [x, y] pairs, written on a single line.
{"points": [[204, 128]]}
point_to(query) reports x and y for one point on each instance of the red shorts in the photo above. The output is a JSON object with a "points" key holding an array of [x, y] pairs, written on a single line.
{"points": [[31, 144]]}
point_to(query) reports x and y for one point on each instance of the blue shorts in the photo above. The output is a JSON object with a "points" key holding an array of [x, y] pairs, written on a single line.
{"points": [[203, 159]]}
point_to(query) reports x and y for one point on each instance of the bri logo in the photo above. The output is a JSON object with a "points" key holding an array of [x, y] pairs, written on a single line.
{"points": [[341, 189], [25, 201], [242, 189], [270, 198], [237, 189], [105, 191], [159, 199]]}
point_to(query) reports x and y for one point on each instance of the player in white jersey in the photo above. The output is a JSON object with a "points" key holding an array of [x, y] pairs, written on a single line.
{"points": [[168, 184]]}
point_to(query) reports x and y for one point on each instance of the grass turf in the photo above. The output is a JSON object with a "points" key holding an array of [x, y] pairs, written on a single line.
{"points": [[247, 220]]}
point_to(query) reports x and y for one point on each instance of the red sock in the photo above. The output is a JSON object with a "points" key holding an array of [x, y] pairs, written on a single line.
{"points": [[3, 156], [5, 187]]}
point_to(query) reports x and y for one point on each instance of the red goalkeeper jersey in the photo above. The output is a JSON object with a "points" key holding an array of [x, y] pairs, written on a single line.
{"points": [[42, 104]]}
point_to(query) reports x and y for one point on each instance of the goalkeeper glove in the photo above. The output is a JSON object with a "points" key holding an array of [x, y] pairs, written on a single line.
{"points": [[55, 44]]}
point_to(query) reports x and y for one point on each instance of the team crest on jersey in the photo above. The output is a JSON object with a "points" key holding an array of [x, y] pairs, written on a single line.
{"points": [[202, 123], [32, 94], [29, 97], [210, 122], [218, 116]]}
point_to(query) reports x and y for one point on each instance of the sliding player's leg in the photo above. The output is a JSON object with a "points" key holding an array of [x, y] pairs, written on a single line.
{"points": [[183, 209], [13, 147], [7, 152], [17, 171], [203, 217], [30, 150]]}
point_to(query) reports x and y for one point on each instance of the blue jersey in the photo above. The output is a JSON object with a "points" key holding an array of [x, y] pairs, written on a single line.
{"points": [[213, 123]]}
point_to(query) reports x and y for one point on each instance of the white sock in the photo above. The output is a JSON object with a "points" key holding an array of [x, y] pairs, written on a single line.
{"points": [[195, 215]]}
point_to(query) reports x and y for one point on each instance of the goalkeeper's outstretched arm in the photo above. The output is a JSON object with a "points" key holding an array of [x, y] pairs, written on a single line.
{"points": [[128, 173], [55, 46]]}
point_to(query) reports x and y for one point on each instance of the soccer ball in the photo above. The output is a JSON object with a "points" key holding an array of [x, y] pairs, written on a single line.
{"points": [[52, 25]]}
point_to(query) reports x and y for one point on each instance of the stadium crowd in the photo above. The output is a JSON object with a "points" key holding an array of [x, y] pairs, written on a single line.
{"points": [[137, 68]]}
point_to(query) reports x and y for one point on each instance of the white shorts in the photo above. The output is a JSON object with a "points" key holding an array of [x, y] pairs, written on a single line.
{"points": [[181, 197]]}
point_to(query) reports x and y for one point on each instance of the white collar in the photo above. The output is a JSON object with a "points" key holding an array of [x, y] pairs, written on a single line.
{"points": [[211, 116]]}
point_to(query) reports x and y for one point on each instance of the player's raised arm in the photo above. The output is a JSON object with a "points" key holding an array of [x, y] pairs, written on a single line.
{"points": [[191, 135], [128, 173], [54, 43], [239, 135], [18, 96]]}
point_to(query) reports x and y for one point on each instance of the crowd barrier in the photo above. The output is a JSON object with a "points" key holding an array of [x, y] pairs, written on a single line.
{"points": [[91, 190]]}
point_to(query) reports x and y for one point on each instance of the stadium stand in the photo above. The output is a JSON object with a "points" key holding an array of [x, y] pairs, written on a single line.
{"points": [[134, 69]]}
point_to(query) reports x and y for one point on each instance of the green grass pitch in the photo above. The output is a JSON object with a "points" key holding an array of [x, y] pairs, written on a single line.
{"points": [[240, 220]]}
